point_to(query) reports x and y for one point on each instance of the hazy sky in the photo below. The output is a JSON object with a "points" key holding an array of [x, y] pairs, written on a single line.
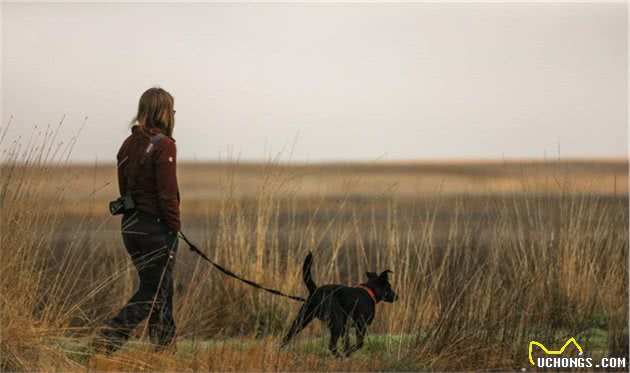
{"points": [[342, 81]]}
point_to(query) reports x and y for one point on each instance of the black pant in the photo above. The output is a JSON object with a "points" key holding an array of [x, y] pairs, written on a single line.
{"points": [[152, 249]]}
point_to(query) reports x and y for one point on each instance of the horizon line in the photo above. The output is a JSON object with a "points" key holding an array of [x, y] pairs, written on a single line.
{"points": [[383, 162]]}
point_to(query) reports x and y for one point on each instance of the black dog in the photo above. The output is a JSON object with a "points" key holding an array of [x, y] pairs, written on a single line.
{"points": [[342, 306]]}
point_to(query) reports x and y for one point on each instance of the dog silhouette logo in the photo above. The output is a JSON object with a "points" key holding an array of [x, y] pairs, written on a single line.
{"points": [[552, 352]]}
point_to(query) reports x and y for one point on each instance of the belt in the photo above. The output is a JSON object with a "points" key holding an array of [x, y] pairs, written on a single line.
{"points": [[143, 222]]}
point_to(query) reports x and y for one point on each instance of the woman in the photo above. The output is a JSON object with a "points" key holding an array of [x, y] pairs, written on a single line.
{"points": [[149, 231]]}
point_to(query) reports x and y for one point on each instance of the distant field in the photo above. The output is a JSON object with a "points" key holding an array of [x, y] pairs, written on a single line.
{"points": [[486, 256], [203, 183]]}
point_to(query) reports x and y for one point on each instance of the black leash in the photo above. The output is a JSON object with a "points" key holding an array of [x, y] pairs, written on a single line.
{"points": [[226, 271]]}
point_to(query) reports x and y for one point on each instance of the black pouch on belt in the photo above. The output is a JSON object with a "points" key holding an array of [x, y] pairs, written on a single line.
{"points": [[122, 205]]}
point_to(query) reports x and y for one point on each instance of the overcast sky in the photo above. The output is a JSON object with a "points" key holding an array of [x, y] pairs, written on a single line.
{"points": [[341, 81]]}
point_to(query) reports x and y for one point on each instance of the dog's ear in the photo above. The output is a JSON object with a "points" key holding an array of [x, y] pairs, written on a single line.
{"points": [[384, 275], [371, 275]]}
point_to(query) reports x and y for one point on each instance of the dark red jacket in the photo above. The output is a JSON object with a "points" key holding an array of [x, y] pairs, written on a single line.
{"points": [[156, 191]]}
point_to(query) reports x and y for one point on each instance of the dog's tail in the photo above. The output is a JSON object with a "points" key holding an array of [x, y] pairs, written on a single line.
{"points": [[306, 273]]}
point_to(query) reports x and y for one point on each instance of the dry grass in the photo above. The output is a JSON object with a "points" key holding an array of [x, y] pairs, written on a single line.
{"points": [[486, 256]]}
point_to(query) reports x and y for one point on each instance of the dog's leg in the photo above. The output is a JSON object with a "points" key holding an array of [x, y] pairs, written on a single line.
{"points": [[335, 333], [337, 327], [346, 340], [304, 317], [361, 329]]}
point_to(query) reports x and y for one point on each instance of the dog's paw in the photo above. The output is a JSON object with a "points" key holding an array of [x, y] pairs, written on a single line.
{"points": [[337, 355]]}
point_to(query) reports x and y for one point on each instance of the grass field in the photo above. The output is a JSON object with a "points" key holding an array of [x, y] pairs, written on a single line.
{"points": [[486, 256]]}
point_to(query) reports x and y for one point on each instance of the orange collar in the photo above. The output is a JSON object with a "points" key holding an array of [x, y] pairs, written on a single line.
{"points": [[369, 291]]}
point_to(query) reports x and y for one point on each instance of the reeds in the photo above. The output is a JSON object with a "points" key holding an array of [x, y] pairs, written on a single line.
{"points": [[479, 276]]}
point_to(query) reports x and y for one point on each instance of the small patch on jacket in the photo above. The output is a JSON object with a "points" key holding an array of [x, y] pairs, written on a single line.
{"points": [[170, 159]]}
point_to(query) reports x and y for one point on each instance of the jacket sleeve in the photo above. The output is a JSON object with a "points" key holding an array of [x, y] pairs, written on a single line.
{"points": [[167, 188], [121, 162]]}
